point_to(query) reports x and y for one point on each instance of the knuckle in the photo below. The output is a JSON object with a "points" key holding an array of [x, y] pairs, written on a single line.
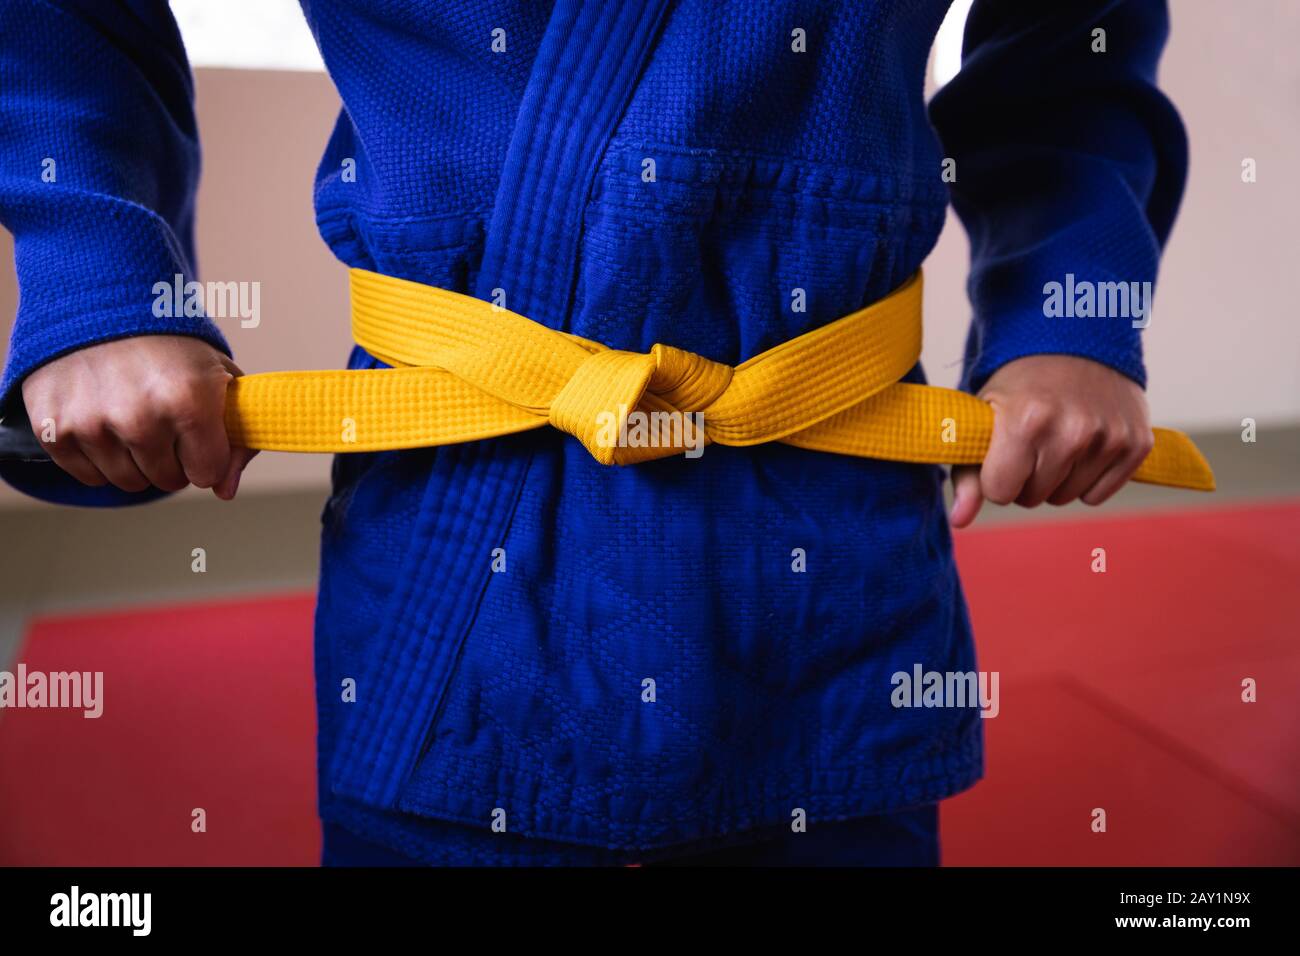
{"points": [[1080, 431], [196, 417], [1034, 417], [1117, 440], [1072, 439], [88, 428], [175, 397], [1143, 442], [136, 424], [998, 490]]}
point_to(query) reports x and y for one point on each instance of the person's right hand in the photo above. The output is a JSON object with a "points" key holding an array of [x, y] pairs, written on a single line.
{"points": [[139, 411]]}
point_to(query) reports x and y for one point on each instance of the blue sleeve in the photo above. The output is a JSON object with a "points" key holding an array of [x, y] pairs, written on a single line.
{"points": [[1068, 162], [99, 160]]}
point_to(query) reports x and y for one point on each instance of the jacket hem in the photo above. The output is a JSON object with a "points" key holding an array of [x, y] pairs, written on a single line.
{"points": [[824, 795]]}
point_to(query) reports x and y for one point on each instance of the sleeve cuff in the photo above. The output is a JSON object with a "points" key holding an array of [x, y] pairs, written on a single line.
{"points": [[1025, 330], [36, 342]]}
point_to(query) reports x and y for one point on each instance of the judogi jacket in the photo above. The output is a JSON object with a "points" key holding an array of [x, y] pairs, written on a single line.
{"points": [[682, 650]]}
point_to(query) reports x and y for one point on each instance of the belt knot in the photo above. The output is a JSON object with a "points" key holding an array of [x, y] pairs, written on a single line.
{"points": [[668, 386]]}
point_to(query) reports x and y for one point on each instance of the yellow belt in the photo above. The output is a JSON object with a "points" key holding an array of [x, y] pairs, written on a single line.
{"points": [[464, 369]]}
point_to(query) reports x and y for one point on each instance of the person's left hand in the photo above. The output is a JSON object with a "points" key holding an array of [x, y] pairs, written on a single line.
{"points": [[1064, 427]]}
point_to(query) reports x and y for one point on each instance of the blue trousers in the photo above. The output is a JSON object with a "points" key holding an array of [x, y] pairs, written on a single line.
{"points": [[905, 838]]}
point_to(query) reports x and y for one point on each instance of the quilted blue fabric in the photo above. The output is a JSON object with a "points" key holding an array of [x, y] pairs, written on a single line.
{"points": [[505, 607]]}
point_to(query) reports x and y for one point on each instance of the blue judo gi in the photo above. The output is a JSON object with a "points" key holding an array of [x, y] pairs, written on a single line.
{"points": [[642, 660]]}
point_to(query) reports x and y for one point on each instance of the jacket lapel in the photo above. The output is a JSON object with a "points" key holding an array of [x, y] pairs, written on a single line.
{"points": [[585, 71]]}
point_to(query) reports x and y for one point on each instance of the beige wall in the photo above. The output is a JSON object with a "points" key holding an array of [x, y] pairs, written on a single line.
{"points": [[1224, 341], [263, 133]]}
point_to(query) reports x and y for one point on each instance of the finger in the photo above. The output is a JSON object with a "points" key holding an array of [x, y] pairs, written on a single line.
{"points": [[203, 446], [1069, 438], [107, 453], [1008, 463], [1118, 474], [239, 458], [1053, 466], [966, 496], [68, 456], [63, 448], [204, 453], [157, 461], [1089, 468]]}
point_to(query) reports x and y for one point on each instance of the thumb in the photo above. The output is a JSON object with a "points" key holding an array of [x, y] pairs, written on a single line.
{"points": [[239, 458], [966, 495], [229, 364]]}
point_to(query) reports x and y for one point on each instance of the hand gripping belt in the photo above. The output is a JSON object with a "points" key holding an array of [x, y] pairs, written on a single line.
{"points": [[464, 369]]}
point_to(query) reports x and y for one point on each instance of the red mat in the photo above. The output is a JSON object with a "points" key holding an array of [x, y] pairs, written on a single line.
{"points": [[205, 706], [1122, 691], [1119, 691]]}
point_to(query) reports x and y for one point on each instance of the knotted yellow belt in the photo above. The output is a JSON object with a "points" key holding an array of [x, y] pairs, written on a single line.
{"points": [[464, 369]]}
